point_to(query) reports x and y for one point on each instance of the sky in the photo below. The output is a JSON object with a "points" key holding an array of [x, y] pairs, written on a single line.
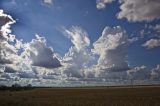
{"points": [[79, 42]]}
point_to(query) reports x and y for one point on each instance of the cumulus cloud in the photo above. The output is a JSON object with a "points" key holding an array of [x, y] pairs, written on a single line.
{"points": [[108, 56], [78, 56], [5, 23], [101, 4], [83, 63], [152, 43], [8, 53], [155, 73], [135, 10], [139, 10], [33, 59], [112, 49], [138, 73], [40, 54]]}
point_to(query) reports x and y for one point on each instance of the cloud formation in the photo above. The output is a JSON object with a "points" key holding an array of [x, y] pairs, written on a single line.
{"points": [[20, 60], [112, 49], [40, 54], [152, 43], [155, 73], [135, 10], [35, 62], [138, 73], [8, 53], [139, 10], [78, 56], [78, 37], [101, 4], [108, 55]]}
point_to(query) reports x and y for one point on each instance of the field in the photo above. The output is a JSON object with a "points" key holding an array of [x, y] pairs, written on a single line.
{"points": [[97, 96]]}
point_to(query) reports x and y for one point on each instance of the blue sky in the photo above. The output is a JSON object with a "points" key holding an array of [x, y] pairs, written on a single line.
{"points": [[34, 17], [52, 19]]}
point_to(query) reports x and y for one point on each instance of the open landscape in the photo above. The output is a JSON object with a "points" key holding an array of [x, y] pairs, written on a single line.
{"points": [[79, 52], [88, 96]]}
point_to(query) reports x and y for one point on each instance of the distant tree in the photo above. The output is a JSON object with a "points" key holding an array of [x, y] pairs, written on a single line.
{"points": [[3, 87], [16, 85], [29, 86]]}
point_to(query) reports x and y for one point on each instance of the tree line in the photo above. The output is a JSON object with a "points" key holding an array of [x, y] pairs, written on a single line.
{"points": [[16, 87]]}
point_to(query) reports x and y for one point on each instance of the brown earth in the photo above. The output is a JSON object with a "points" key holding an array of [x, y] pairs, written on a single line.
{"points": [[98, 96]]}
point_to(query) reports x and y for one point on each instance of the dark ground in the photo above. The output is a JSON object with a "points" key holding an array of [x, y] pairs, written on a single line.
{"points": [[91, 96]]}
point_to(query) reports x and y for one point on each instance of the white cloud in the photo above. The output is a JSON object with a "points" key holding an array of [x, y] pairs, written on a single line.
{"points": [[84, 63], [152, 43], [48, 1], [78, 37], [135, 10], [78, 56], [107, 60], [108, 56], [112, 49], [138, 73], [40, 54], [101, 4], [5, 23], [2, 69], [17, 66], [139, 10], [8, 53], [155, 73], [155, 28]]}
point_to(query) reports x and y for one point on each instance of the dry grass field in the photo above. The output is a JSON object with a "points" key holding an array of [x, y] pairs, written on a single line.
{"points": [[140, 96]]}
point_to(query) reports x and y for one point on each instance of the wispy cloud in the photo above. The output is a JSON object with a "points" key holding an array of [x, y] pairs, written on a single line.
{"points": [[50, 2]]}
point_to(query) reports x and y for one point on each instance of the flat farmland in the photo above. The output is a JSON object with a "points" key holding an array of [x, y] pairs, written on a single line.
{"points": [[90, 96]]}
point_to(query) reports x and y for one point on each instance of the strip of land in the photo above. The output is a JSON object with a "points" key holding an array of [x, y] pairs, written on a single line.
{"points": [[83, 96]]}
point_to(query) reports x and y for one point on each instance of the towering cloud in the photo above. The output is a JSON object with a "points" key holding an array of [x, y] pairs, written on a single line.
{"points": [[78, 56], [112, 49], [40, 54], [8, 53]]}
